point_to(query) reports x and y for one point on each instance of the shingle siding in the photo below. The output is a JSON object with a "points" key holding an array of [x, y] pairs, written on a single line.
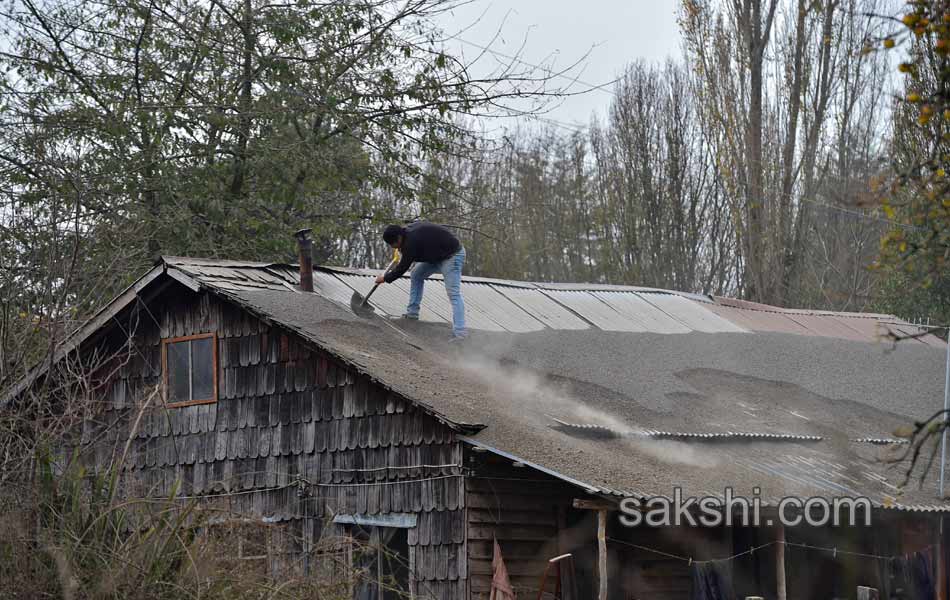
{"points": [[294, 438]]}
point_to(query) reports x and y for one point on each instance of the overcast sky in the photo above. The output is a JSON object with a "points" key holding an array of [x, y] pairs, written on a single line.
{"points": [[612, 33]]}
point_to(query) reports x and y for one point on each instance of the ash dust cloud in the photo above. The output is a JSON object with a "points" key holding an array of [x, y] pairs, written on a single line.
{"points": [[535, 393]]}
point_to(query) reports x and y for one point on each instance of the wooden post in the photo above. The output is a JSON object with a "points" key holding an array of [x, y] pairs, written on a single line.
{"points": [[412, 573], [941, 562], [868, 593], [601, 507], [780, 564], [602, 552], [567, 575]]}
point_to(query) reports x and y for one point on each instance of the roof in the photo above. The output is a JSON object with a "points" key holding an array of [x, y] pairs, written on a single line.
{"points": [[626, 390]]}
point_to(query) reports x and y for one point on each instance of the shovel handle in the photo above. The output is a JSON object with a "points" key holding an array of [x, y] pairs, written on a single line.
{"points": [[366, 299], [388, 269]]}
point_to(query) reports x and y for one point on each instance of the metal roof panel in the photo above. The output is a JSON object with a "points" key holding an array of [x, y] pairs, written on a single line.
{"points": [[331, 287], [594, 310], [542, 308], [756, 320], [826, 326], [692, 314], [499, 308], [634, 307]]}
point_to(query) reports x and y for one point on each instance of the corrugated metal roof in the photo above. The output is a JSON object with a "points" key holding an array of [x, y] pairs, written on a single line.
{"points": [[694, 315], [880, 440], [756, 320], [543, 308], [519, 307], [331, 287], [825, 325], [603, 432], [502, 310], [594, 310], [601, 363], [650, 317]]}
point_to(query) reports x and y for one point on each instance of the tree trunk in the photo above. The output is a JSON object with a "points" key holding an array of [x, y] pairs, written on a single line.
{"points": [[788, 155], [238, 176]]}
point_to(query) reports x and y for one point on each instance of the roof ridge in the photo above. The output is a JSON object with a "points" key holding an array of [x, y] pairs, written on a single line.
{"points": [[736, 303], [815, 312]]}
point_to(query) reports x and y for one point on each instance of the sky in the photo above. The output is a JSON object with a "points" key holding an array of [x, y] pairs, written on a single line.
{"points": [[605, 35]]}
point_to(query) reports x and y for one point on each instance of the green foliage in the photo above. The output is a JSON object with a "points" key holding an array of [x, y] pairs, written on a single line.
{"points": [[920, 192], [902, 295], [215, 129], [133, 129]]}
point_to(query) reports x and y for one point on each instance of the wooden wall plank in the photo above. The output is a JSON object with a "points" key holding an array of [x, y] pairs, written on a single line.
{"points": [[286, 410]]}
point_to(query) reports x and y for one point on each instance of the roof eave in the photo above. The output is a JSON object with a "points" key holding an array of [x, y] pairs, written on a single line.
{"points": [[81, 333]]}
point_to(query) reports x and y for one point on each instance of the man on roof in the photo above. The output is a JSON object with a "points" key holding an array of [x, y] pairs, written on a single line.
{"points": [[435, 249]]}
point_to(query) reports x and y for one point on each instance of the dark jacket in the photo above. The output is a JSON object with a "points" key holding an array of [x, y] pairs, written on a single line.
{"points": [[424, 242]]}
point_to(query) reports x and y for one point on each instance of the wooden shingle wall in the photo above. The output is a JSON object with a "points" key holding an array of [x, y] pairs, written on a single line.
{"points": [[521, 508], [294, 438]]}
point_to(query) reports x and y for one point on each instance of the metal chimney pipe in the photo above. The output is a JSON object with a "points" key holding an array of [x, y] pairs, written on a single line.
{"points": [[305, 248]]}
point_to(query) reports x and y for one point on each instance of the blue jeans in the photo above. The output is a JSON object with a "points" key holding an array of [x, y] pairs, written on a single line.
{"points": [[451, 269]]}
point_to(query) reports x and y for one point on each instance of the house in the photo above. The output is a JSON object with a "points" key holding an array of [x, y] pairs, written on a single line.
{"points": [[280, 405]]}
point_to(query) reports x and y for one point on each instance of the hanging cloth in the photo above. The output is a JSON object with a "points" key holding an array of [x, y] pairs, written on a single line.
{"points": [[913, 577], [921, 576], [711, 582], [500, 584]]}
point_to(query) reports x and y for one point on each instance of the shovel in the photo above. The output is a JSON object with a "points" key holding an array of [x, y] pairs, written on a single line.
{"points": [[360, 305]]}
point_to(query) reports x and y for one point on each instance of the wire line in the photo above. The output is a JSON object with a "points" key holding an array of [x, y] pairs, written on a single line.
{"points": [[751, 550]]}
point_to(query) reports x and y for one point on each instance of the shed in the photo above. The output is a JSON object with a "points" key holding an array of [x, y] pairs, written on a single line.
{"points": [[567, 400]]}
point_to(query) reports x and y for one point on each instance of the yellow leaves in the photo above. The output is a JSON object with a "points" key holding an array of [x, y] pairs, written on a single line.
{"points": [[889, 211], [946, 202], [940, 173], [913, 97], [889, 43], [904, 432], [910, 20], [902, 247], [905, 67], [946, 116]]}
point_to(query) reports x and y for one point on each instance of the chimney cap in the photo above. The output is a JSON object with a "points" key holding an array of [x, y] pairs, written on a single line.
{"points": [[303, 233]]}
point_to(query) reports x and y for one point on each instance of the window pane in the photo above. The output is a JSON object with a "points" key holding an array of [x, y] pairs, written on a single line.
{"points": [[178, 372], [202, 369], [395, 571]]}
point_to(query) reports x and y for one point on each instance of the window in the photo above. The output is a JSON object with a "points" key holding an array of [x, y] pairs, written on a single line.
{"points": [[190, 369], [380, 561]]}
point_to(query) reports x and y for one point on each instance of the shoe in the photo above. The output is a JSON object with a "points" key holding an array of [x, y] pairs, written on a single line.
{"points": [[455, 339], [409, 317]]}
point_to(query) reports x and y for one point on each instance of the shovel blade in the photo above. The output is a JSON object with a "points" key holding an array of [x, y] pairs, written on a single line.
{"points": [[359, 306]]}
